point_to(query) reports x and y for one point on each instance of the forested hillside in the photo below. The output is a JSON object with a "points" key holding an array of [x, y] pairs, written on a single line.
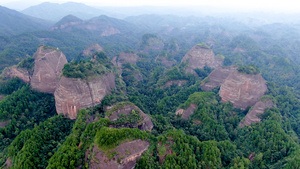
{"points": [[172, 92]]}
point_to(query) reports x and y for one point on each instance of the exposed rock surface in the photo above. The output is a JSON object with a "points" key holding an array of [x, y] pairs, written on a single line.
{"points": [[73, 94], [164, 61], [92, 49], [168, 147], [186, 113], [126, 155], [8, 163], [239, 50], [125, 57], [242, 89], [217, 77], [15, 71], [259, 108], [198, 57], [4, 123], [48, 66], [153, 44], [144, 124], [177, 82]]}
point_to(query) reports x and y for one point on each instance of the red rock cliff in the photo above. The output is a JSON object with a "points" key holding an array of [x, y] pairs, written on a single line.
{"points": [[73, 94], [48, 66]]}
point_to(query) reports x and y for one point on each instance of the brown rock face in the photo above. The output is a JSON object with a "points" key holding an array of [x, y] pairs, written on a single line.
{"points": [[164, 61], [127, 154], [73, 94], [217, 77], [125, 57], [92, 49], [4, 123], [243, 90], [198, 57], [144, 124], [259, 108], [14, 71], [48, 66], [177, 82], [185, 114]]}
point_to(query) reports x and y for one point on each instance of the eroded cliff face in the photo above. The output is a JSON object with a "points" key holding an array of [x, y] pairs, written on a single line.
{"points": [[176, 82], [15, 71], [92, 49], [217, 77], [125, 57], [259, 108], [144, 124], [73, 94], [186, 113], [198, 57], [125, 158], [164, 61], [48, 66], [243, 90]]}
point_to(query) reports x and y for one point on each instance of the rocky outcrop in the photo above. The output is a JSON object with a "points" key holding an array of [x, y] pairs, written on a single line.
{"points": [[48, 66], [4, 123], [164, 61], [168, 147], [144, 123], [176, 82], [242, 90], [92, 49], [125, 158], [217, 77], [73, 94], [15, 71], [200, 56], [150, 43], [186, 113], [259, 108], [239, 50], [125, 57]]}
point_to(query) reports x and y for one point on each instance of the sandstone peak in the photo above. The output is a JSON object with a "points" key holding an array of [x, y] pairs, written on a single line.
{"points": [[125, 57], [126, 155], [259, 108], [15, 71], [243, 90], [92, 49], [126, 114], [201, 55], [73, 94], [150, 42], [48, 66]]}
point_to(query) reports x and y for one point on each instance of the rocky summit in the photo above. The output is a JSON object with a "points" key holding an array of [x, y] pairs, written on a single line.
{"points": [[92, 49], [48, 66]]}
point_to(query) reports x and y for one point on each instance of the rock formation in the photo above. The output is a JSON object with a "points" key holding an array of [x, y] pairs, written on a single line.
{"points": [[164, 61], [125, 57], [125, 158], [48, 66], [92, 49], [150, 43], [217, 77], [176, 82], [243, 90], [200, 56], [73, 94], [259, 108], [186, 113], [15, 71], [125, 109]]}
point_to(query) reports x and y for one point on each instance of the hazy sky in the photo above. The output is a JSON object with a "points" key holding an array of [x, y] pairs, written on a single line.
{"points": [[266, 5]]}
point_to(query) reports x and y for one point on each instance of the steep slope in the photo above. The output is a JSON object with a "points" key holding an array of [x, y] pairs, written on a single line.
{"points": [[102, 26], [150, 43], [201, 55], [67, 21], [13, 22], [48, 66], [15, 71], [126, 114], [243, 90], [73, 94], [54, 11], [259, 108], [92, 49], [125, 57]]}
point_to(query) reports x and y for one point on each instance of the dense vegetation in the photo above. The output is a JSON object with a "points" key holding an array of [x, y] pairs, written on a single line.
{"points": [[30, 137]]}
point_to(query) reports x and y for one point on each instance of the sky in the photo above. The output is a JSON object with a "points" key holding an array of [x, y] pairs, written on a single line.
{"points": [[287, 6]]}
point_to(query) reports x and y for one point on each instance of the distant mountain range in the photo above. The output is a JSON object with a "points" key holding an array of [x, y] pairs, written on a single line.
{"points": [[55, 11], [14, 22]]}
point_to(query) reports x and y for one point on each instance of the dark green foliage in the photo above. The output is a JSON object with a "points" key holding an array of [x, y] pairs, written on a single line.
{"points": [[133, 118], [251, 69], [85, 69], [27, 64], [33, 148], [23, 109], [9, 86]]}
